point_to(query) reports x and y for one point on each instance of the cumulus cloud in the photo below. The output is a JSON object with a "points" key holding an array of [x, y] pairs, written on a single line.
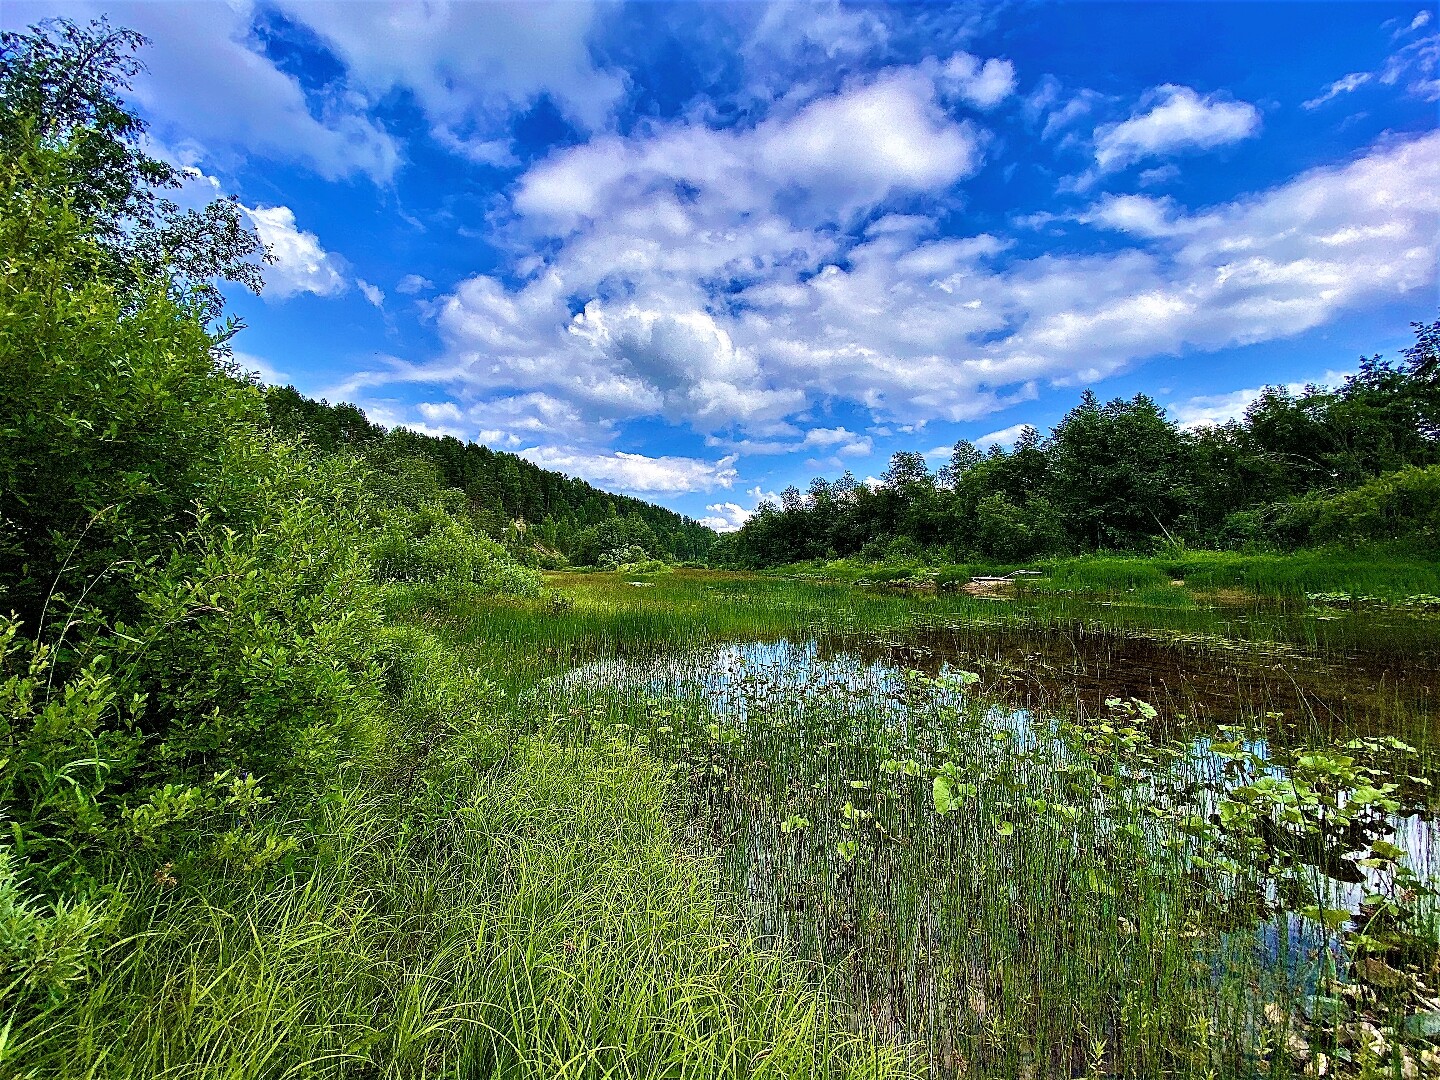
{"points": [[801, 162], [742, 281], [1005, 437], [636, 472], [209, 82], [837, 441], [1174, 119], [983, 83], [373, 293], [413, 284], [726, 517], [470, 65], [300, 264], [1208, 410], [1139, 215]]}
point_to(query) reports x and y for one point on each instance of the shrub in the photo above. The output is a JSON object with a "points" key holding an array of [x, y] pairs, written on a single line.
{"points": [[113, 410], [1403, 505], [251, 667], [430, 546]]}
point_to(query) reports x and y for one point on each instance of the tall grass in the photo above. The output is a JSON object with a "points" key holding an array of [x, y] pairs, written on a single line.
{"points": [[1063, 904], [480, 903], [599, 843]]}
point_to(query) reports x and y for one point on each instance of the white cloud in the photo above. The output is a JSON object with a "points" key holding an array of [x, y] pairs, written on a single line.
{"points": [[1346, 85], [1174, 119], [471, 65], [1061, 115], [1139, 215], [1422, 19], [1005, 437], [1417, 65], [300, 264], [911, 145], [684, 276], [837, 441], [412, 284], [636, 472], [787, 32], [982, 83], [372, 293], [1207, 410], [208, 82], [268, 373], [726, 516]]}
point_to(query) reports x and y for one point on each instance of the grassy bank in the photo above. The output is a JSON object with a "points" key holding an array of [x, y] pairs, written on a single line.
{"points": [[476, 902], [542, 875], [1072, 888], [1380, 572]]}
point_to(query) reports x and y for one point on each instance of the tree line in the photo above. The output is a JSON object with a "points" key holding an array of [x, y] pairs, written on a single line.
{"points": [[1355, 462], [546, 518]]}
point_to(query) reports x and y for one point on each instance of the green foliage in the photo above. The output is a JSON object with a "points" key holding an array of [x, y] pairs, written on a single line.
{"points": [[196, 625], [112, 410], [45, 949], [543, 517], [431, 546], [1330, 465], [70, 139], [1403, 505]]}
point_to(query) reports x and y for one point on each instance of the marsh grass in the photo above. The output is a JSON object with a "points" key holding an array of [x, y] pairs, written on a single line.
{"points": [[477, 903], [558, 866], [1019, 894]]}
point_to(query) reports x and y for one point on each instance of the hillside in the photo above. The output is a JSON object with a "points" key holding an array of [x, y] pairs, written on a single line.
{"points": [[555, 513]]}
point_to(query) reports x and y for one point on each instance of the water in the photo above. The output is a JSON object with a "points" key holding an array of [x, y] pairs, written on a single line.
{"points": [[811, 764]]}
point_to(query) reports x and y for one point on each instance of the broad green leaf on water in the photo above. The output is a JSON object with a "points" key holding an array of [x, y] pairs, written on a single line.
{"points": [[846, 849], [1385, 850], [1332, 918], [1005, 828], [944, 795], [1426, 1025]]}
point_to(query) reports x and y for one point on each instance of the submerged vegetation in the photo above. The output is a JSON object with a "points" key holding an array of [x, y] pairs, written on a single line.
{"points": [[303, 773]]}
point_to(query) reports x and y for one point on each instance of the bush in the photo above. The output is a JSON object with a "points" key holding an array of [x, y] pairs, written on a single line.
{"points": [[250, 667], [113, 410], [432, 546], [1402, 506]]}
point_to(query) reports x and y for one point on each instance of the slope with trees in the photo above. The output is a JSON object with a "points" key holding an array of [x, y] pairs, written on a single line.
{"points": [[538, 513]]}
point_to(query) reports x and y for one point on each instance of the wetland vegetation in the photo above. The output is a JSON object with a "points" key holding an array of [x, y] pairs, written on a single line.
{"points": [[1063, 832], [304, 773]]}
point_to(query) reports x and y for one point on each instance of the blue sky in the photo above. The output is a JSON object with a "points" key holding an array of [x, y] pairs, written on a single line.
{"points": [[700, 252]]}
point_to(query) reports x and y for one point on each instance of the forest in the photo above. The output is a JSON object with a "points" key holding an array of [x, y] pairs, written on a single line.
{"points": [[1356, 462], [546, 518]]}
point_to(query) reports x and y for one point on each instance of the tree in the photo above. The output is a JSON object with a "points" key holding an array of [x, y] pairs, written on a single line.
{"points": [[65, 126], [963, 458], [907, 472], [1120, 471]]}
